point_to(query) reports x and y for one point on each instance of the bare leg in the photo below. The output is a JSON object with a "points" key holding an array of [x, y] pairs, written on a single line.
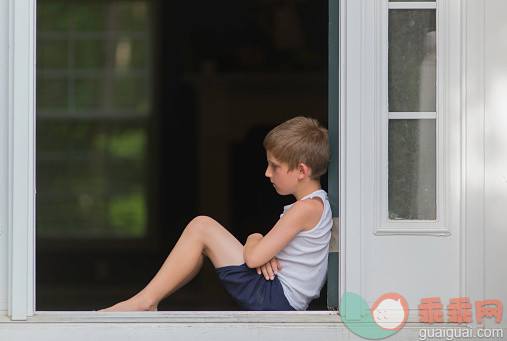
{"points": [[203, 236]]}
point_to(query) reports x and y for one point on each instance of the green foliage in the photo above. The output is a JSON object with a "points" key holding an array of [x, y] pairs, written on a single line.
{"points": [[127, 214], [128, 144]]}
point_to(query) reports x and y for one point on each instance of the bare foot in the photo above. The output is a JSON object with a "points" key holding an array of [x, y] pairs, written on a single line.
{"points": [[132, 304]]}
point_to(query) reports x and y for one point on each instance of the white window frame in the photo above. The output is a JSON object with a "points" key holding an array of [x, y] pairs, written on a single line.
{"points": [[21, 210], [21, 149], [447, 119]]}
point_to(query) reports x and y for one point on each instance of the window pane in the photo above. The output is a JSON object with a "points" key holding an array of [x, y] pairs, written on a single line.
{"points": [[88, 93], [52, 54], [412, 0], [412, 169], [93, 109], [90, 16], [90, 54], [53, 93], [136, 57], [412, 60], [52, 16], [130, 92]]}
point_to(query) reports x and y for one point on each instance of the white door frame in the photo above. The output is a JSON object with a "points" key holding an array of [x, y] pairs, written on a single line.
{"points": [[21, 149]]}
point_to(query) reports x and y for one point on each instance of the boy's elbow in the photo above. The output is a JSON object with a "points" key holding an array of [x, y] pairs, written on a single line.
{"points": [[250, 261], [250, 264]]}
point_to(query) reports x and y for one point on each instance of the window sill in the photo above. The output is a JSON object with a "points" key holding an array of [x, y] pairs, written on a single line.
{"points": [[319, 319], [277, 317]]}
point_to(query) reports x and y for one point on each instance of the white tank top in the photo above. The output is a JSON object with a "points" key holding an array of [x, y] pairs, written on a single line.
{"points": [[304, 258]]}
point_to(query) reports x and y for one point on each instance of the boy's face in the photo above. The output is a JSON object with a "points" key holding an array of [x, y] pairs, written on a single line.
{"points": [[283, 180]]}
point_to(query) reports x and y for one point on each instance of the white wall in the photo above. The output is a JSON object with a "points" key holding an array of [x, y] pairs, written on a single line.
{"points": [[4, 79], [496, 154]]}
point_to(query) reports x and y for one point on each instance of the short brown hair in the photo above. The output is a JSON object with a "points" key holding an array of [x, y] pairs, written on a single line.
{"points": [[300, 140]]}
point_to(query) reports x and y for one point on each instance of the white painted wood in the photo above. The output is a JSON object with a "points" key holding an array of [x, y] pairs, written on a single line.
{"points": [[21, 159], [422, 230], [192, 325], [4, 133], [350, 132], [172, 331], [413, 5], [299, 317], [190, 331], [472, 243], [495, 158], [201, 325], [411, 115]]}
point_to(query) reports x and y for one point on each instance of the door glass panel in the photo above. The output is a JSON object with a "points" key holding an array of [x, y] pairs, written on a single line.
{"points": [[412, 60], [412, 169]]}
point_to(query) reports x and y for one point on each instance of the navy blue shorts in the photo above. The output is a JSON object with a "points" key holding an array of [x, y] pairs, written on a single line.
{"points": [[251, 290]]}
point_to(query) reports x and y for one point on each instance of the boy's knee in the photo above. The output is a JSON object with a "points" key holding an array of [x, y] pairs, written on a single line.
{"points": [[200, 227], [201, 224], [202, 220]]}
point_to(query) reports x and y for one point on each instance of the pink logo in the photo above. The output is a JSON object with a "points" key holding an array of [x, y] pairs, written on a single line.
{"points": [[390, 311]]}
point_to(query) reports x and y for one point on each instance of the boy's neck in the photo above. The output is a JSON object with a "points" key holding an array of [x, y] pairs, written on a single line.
{"points": [[307, 188]]}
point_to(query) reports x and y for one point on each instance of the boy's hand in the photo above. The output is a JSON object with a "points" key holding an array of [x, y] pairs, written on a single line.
{"points": [[270, 269]]}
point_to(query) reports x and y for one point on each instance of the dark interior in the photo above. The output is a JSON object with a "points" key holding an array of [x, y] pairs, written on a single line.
{"points": [[222, 75]]}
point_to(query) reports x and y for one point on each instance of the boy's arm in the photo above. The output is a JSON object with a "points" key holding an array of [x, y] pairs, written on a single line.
{"points": [[258, 250]]}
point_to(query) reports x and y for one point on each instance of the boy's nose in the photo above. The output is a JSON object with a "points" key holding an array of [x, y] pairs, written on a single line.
{"points": [[267, 174]]}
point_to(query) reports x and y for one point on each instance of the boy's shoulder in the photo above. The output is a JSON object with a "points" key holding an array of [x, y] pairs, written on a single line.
{"points": [[309, 210]]}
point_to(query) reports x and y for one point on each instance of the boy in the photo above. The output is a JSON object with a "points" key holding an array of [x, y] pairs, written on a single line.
{"points": [[283, 270]]}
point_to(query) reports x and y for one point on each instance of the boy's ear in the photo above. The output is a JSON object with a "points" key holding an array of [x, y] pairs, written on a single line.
{"points": [[303, 171]]}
